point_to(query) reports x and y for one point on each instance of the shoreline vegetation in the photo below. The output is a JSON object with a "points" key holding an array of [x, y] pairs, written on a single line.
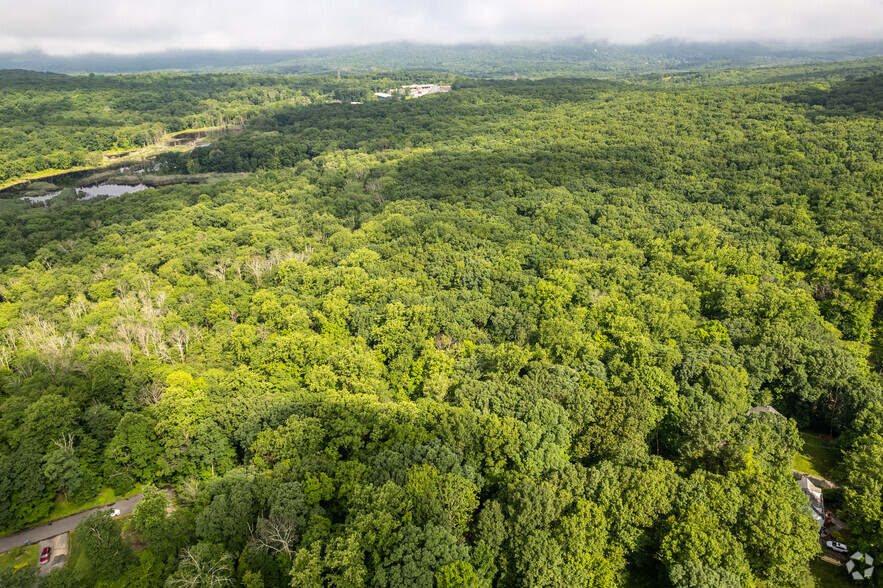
{"points": [[114, 160]]}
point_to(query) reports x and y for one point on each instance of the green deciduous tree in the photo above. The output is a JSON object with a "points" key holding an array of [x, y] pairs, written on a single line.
{"points": [[99, 537]]}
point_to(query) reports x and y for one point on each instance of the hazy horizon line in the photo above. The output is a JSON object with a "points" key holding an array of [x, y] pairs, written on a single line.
{"points": [[769, 43]]}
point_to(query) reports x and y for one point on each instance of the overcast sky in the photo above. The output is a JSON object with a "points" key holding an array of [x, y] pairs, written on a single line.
{"points": [[123, 26]]}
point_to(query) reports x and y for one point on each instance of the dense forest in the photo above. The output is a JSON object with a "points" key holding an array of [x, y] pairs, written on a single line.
{"points": [[51, 122], [503, 336]]}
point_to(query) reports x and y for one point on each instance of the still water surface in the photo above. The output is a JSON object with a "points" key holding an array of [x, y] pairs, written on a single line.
{"points": [[90, 192]]}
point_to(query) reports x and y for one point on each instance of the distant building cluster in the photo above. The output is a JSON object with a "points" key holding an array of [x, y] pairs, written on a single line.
{"points": [[417, 90], [412, 91]]}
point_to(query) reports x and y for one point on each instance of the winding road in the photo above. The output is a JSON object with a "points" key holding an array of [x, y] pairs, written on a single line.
{"points": [[57, 527]]}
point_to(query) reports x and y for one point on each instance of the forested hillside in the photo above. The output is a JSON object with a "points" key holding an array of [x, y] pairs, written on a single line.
{"points": [[575, 57], [52, 122], [503, 336]]}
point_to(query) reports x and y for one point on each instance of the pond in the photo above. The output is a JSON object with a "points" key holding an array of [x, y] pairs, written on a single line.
{"points": [[90, 192], [109, 190]]}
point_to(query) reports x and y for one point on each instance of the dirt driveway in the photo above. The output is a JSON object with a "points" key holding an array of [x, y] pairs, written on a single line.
{"points": [[58, 555]]}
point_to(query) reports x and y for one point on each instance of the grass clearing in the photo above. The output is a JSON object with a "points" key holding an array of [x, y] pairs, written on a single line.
{"points": [[828, 575], [76, 560], [63, 508], [824, 456], [19, 557]]}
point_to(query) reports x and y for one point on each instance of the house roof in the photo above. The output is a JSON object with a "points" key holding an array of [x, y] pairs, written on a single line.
{"points": [[759, 409], [811, 490], [816, 501]]}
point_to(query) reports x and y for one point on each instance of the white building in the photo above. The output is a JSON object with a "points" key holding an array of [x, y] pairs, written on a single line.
{"points": [[816, 502], [417, 90]]}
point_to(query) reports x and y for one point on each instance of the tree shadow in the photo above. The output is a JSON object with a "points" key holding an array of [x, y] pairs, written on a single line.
{"points": [[518, 171], [846, 98]]}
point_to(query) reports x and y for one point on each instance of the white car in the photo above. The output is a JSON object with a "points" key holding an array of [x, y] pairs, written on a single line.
{"points": [[836, 546], [115, 512]]}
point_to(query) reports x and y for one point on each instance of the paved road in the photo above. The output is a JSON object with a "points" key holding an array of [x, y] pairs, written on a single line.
{"points": [[64, 525]]}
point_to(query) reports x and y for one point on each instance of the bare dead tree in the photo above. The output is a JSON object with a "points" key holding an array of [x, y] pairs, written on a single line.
{"points": [[160, 300], [256, 266], [150, 341], [151, 393], [180, 339], [97, 533], [57, 352], [147, 309], [129, 304], [53, 350], [146, 283], [143, 335], [25, 366], [277, 534], [304, 256], [219, 270], [99, 274], [445, 342], [67, 245], [125, 349], [34, 330], [193, 572], [125, 330], [10, 339], [65, 443], [189, 489], [276, 257], [77, 307]]}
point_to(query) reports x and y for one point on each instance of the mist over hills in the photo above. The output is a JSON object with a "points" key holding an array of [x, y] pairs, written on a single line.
{"points": [[576, 57]]}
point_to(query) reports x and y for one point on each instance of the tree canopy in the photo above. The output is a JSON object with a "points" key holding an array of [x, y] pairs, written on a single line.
{"points": [[507, 335]]}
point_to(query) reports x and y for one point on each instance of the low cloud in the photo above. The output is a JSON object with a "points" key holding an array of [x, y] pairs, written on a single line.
{"points": [[62, 27]]}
